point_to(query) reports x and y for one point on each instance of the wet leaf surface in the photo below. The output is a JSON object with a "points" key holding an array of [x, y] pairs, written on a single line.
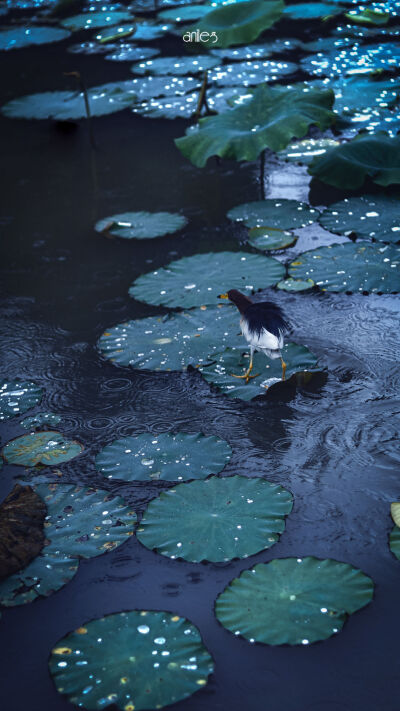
{"points": [[47, 448], [268, 238], [240, 23], [277, 214], [369, 217], [141, 225], [91, 20], [18, 37], [17, 396], [22, 515], [40, 419]]}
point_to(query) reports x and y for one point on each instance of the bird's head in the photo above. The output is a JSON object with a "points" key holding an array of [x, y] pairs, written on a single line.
{"points": [[240, 300]]}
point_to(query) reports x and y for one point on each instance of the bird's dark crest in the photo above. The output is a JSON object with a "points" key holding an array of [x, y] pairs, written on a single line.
{"points": [[266, 315]]}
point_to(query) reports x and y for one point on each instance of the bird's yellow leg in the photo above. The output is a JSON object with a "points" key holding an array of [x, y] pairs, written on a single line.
{"points": [[247, 375], [283, 368]]}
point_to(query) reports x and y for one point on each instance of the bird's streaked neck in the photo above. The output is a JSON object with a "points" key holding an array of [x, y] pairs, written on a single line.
{"points": [[241, 301]]}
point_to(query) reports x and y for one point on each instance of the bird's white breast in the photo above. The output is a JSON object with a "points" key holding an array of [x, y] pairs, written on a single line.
{"points": [[265, 341]]}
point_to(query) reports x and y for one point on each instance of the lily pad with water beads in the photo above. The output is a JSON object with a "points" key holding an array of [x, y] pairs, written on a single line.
{"points": [[215, 520], [91, 20], [150, 87], [250, 73], [198, 280], [18, 396], [80, 523], [276, 214], [131, 53], [141, 225], [359, 266], [133, 660], [293, 601], [256, 51], [370, 216], [40, 419], [306, 150], [172, 107], [353, 94], [22, 515], [354, 59], [313, 11], [184, 13], [17, 37], [295, 285], [178, 66], [167, 456], [240, 23], [267, 238], [368, 16], [46, 448]]}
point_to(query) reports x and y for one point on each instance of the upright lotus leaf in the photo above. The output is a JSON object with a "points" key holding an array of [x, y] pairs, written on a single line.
{"points": [[47, 448], [198, 280], [145, 660], [395, 512], [167, 456], [350, 266], [241, 22], [22, 515], [175, 65], [293, 601], [215, 520], [91, 20], [347, 165], [141, 225], [18, 396], [80, 523], [271, 119], [370, 216], [394, 541], [280, 214], [268, 238], [40, 419], [17, 37]]}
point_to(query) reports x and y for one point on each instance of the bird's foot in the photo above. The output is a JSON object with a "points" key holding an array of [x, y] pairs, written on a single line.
{"points": [[246, 376]]}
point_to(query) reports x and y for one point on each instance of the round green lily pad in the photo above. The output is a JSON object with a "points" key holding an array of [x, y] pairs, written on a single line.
{"points": [[293, 601], [170, 457], [312, 10], [266, 238], [279, 214], [295, 284], [175, 65], [18, 396], [216, 520], [40, 419], [47, 448], [306, 150], [17, 37], [359, 266], [256, 51], [240, 23], [250, 73], [370, 216], [394, 541], [141, 225], [198, 280], [130, 53], [91, 20], [355, 58], [170, 107], [144, 659]]}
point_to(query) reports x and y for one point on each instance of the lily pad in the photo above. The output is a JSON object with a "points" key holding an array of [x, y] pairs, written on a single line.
{"points": [[347, 165], [240, 23], [145, 659], [151, 87], [141, 225], [354, 58], [47, 448], [271, 119], [368, 16], [149, 31], [250, 73], [276, 214], [80, 523], [306, 150], [295, 284], [170, 107], [266, 238], [40, 419], [394, 541], [22, 515], [198, 280], [131, 53], [18, 396], [178, 66], [355, 94], [17, 37], [184, 13], [216, 520], [293, 601], [167, 456], [359, 266], [257, 51], [370, 216], [91, 20], [312, 11]]}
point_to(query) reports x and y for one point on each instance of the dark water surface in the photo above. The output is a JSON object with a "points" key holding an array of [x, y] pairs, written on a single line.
{"points": [[335, 445]]}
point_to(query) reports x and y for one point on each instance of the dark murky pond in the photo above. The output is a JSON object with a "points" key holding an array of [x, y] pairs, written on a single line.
{"points": [[334, 445]]}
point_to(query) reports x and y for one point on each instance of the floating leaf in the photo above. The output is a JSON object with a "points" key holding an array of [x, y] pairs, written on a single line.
{"points": [[394, 541], [306, 150], [131, 53], [293, 601], [22, 516], [359, 266], [47, 448], [368, 16], [185, 13], [198, 280], [240, 23], [295, 284], [40, 419], [18, 396], [17, 37], [353, 58], [149, 31], [216, 520], [354, 94], [257, 51], [370, 216], [266, 238], [170, 107], [151, 87], [395, 512], [91, 20], [271, 119], [167, 456], [178, 66], [277, 214], [312, 11], [145, 659], [250, 73], [141, 225]]}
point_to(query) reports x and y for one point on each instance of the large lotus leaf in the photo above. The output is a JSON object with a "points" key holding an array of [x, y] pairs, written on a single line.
{"points": [[215, 520], [141, 225], [347, 165], [271, 119], [22, 515], [175, 65], [18, 396], [312, 11], [17, 37], [268, 238], [354, 58], [359, 266], [40, 419], [293, 601], [277, 214], [249, 73], [47, 448], [198, 280], [167, 456], [240, 23], [394, 541], [145, 660], [173, 342], [91, 20], [236, 360], [370, 216]]}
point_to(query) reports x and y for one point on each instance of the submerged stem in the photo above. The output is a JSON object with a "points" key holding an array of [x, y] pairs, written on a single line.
{"points": [[262, 170], [202, 97], [84, 91]]}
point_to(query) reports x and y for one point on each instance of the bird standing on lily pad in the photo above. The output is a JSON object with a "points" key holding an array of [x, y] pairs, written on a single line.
{"points": [[263, 325]]}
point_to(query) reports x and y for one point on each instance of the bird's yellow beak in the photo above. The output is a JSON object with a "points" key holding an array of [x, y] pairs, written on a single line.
{"points": [[223, 296]]}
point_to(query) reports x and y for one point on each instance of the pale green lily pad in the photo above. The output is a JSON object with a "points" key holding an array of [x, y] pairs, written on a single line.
{"points": [[268, 372], [16, 37], [277, 214], [80, 523], [184, 13], [359, 266], [394, 541], [40, 419], [145, 659], [370, 216], [215, 520], [47, 448], [92, 20], [141, 225], [266, 238], [240, 23], [250, 73], [18, 396], [312, 11], [167, 456], [198, 280], [178, 66], [293, 601], [376, 156], [368, 16], [295, 284], [306, 150], [271, 119]]}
